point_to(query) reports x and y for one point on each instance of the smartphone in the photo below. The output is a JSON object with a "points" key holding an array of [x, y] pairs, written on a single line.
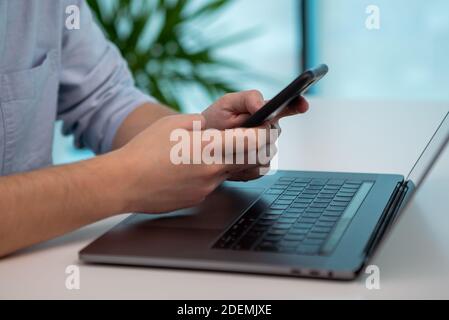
{"points": [[294, 90]]}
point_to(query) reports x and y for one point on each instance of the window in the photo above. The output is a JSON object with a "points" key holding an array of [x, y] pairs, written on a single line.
{"points": [[407, 58]]}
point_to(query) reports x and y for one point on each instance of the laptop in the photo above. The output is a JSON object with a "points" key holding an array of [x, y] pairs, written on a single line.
{"points": [[302, 224]]}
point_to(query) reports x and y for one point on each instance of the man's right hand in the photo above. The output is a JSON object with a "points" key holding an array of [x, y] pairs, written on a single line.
{"points": [[156, 185], [138, 177]]}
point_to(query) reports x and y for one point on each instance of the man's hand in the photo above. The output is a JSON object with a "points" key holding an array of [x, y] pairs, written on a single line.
{"points": [[156, 184], [138, 177], [233, 109]]}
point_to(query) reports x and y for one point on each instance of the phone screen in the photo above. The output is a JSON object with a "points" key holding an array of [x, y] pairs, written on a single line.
{"points": [[295, 89]]}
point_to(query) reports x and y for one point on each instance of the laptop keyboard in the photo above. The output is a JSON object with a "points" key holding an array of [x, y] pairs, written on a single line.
{"points": [[303, 216]]}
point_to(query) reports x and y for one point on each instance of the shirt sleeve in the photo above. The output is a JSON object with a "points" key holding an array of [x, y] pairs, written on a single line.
{"points": [[97, 91]]}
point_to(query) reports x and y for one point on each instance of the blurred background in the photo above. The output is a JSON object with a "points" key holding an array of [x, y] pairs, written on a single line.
{"points": [[189, 52]]}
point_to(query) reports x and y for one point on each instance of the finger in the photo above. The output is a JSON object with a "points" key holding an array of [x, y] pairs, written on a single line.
{"points": [[245, 102], [296, 106], [241, 140], [262, 159]]}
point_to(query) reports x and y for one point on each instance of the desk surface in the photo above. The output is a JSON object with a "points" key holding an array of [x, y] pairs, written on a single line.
{"points": [[333, 136]]}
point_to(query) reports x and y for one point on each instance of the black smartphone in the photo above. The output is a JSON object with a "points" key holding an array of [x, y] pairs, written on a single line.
{"points": [[297, 88]]}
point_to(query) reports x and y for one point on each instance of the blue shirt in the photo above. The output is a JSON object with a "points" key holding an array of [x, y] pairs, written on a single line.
{"points": [[50, 72]]}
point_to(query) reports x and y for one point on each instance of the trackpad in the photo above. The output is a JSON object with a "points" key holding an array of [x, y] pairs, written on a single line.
{"points": [[216, 213]]}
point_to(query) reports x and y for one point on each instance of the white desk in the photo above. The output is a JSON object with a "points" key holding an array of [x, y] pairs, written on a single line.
{"points": [[343, 136]]}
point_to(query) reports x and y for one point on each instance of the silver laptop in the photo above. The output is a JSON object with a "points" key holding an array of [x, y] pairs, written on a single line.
{"points": [[301, 224]]}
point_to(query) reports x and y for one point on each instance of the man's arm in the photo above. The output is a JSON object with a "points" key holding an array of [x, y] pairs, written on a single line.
{"points": [[140, 119], [44, 204], [47, 203], [138, 177]]}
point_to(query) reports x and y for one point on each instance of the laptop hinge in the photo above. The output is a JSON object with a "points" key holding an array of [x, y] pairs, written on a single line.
{"points": [[388, 216]]}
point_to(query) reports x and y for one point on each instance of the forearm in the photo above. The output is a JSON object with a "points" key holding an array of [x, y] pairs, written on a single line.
{"points": [[139, 120], [44, 204], [41, 205]]}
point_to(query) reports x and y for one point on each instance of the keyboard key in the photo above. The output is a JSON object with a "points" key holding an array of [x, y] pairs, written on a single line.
{"points": [[331, 219], [302, 200], [300, 205], [336, 182], [334, 204], [298, 211], [324, 224], [292, 193], [279, 207], [318, 205], [321, 229], [311, 192], [283, 202], [325, 201], [300, 225], [282, 226], [315, 210], [324, 191], [276, 212], [295, 189], [302, 232], [287, 198], [287, 220], [314, 215], [299, 184], [325, 196], [289, 179], [289, 214], [307, 220], [308, 196], [318, 182], [314, 187], [335, 208], [345, 194], [306, 180], [331, 188], [342, 199]]}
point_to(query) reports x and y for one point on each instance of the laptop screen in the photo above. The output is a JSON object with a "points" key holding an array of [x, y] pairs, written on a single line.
{"points": [[431, 153]]}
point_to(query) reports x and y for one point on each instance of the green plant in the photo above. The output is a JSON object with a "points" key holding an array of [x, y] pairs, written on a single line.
{"points": [[163, 46]]}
